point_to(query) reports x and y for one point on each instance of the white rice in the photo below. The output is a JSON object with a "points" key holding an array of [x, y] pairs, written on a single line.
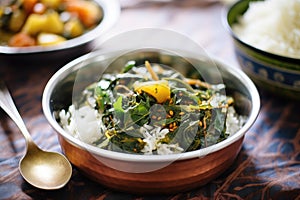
{"points": [[84, 123], [153, 135], [272, 26]]}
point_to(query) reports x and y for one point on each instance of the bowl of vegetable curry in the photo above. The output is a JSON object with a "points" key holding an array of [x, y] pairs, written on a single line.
{"points": [[35, 31]]}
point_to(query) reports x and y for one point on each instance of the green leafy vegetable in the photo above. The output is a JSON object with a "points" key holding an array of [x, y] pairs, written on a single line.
{"points": [[133, 118]]}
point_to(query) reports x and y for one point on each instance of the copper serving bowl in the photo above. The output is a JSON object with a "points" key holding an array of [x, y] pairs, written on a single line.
{"points": [[62, 53], [148, 174]]}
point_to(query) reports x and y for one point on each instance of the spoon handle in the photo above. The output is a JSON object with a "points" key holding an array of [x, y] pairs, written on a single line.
{"points": [[7, 104]]}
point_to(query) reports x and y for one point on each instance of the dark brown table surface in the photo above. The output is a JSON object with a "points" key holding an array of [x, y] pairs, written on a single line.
{"points": [[268, 166]]}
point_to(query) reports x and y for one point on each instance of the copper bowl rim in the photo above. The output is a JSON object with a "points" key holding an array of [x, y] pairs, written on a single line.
{"points": [[68, 68], [111, 13]]}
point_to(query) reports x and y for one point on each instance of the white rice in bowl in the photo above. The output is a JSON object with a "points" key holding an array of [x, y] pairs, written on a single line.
{"points": [[272, 26]]}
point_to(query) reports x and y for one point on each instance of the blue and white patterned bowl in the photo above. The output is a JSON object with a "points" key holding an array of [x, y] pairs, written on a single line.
{"points": [[275, 73]]}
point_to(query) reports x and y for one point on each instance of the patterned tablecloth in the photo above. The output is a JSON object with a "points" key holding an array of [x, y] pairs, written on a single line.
{"points": [[268, 166]]}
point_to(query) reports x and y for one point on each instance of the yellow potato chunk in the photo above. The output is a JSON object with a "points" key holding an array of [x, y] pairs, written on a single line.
{"points": [[48, 22], [73, 28], [46, 39], [54, 24], [34, 24], [160, 90]]}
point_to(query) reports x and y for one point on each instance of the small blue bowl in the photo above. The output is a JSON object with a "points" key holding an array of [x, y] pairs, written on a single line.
{"points": [[275, 73]]}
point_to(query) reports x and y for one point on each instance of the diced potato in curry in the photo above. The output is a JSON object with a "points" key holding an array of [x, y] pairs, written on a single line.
{"points": [[49, 22], [73, 28], [160, 89], [46, 39]]}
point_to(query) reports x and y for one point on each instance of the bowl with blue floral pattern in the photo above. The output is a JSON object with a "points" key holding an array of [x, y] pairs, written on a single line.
{"points": [[265, 44]]}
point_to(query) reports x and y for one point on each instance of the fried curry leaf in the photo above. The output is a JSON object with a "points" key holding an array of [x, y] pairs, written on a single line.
{"points": [[187, 133], [102, 98], [140, 113], [119, 111], [124, 142], [217, 127]]}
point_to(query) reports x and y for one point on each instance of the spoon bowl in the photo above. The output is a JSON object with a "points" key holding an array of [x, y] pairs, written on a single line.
{"points": [[46, 170], [42, 169]]}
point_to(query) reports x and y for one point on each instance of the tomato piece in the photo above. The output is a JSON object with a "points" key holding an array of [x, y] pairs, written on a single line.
{"points": [[88, 12], [21, 40], [29, 5]]}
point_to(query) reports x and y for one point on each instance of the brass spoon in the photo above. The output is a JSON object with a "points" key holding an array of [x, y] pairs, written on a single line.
{"points": [[44, 170]]}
